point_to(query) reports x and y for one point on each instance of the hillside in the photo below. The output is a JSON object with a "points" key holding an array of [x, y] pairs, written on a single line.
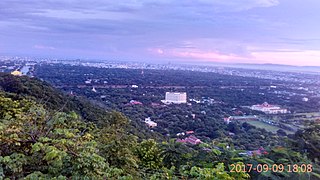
{"points": [[43, 93], [24, 87]]}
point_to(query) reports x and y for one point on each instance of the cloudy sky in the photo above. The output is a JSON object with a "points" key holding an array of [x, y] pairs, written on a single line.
{"points": [[233, 31]]}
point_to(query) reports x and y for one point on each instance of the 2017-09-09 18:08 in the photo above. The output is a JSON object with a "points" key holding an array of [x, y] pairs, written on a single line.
{"points": [[274, 168]]}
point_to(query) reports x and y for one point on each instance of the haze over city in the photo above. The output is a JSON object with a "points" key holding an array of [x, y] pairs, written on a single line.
{"points": [[247, 31]]}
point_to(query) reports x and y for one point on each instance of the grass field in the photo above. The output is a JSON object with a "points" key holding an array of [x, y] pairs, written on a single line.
{"points": [[267, 127], [295, 116]]}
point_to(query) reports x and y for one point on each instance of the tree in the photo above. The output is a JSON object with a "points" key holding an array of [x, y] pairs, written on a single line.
{"points": [[148, 152], [37, 143], [174, 153], [218, 173], [281, 132], [308, 140], [116, 145]]}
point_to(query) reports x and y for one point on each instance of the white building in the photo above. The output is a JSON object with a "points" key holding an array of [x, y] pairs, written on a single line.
{"points": [[175, 97], [150, 123], [93, 89], [269, 109]]}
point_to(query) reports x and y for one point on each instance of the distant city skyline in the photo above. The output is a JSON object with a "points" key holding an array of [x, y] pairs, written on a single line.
{"points": [[233, 31]]}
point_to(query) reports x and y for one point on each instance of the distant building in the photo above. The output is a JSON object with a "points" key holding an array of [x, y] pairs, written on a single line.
{"points": [[269, 109], [259, 152], [181, 134], [249, 117], [191, 139], [207, 100], [103, 97], [93, 89], [155, 104], [134, 102], [150, 123], [227, 120], [189, 132], [194, 100], [175, 98]]}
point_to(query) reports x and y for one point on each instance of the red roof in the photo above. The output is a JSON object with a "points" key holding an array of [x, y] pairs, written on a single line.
{"points": [[189, 132], [191, 139], [133, 102], [181, 140], [265, 104]]}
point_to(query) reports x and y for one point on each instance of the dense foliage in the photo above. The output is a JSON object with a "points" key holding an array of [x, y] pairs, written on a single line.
{"points": [[19, 88], [38, 141]]}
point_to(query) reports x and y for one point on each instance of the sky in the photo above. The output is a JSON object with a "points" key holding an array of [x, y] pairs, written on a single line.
{"points": [[228, 31]]}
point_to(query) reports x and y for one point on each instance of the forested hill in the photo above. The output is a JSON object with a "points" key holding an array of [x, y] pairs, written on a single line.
{"points": [[24, 87]]}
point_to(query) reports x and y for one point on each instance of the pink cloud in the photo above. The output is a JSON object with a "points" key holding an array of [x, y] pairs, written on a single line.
{"points": [[256, 55], [156, 51], [205, 55], [159, 51], [196, 54]]}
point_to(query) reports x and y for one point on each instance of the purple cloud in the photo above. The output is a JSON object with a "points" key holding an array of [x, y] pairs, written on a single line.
{"points": [[202, 30]]}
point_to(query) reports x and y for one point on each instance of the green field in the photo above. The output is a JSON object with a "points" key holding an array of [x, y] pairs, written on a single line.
{"points": [[295, 116], [267, 127]]}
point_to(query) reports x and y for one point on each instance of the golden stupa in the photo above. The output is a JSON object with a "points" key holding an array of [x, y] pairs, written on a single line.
{"points": [[16, 73]]}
